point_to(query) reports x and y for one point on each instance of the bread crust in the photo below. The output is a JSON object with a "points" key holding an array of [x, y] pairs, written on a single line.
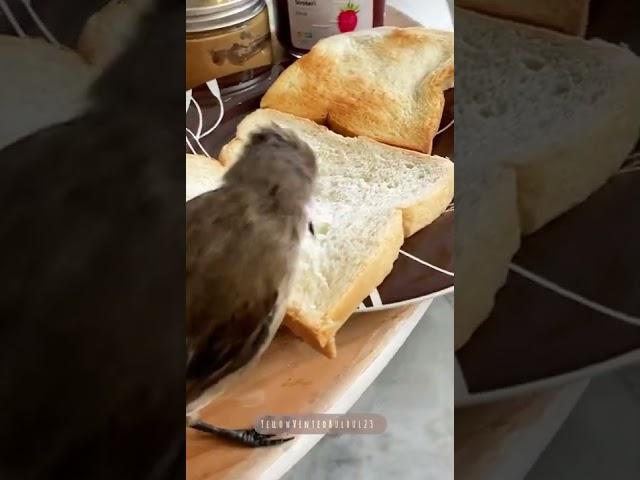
{"points": [[371, 275], [566, 16], [321, 87]]}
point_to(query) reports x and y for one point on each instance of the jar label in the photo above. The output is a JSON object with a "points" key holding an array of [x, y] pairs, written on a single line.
{"points": [[313, 20]]}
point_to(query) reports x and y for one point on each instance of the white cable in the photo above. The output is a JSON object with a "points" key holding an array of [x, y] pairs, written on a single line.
{"points": [[376, 300], [554, 287], [200, 120], [630, 168], [215, 125], [12, 20], [445, 127], [426, 264], [197, 140], [43, 28], [189, 96], [212, 85], [189, 145]]}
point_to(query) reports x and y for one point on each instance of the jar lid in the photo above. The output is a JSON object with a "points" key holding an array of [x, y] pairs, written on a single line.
{"points": [[203, 15]]}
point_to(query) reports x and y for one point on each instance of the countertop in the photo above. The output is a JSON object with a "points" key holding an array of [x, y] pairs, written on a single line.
{"points": [[601, 437], [415, 393]]}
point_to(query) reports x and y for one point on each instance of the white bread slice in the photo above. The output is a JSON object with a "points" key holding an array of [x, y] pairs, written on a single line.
{"points": [[487, 237], [563, 112], [386, 83], [350, 255], [335, 268], [203, 175], [359, 171], [109, 30], [544, 120], [567, 16], [368, 198], [41, 84]]}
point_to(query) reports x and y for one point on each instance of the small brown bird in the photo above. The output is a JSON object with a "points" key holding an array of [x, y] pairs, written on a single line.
{"points": [[242, 246]]}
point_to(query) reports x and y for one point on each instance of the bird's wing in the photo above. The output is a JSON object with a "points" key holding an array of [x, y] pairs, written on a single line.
{"points": [[223, 332], [230, 345]]}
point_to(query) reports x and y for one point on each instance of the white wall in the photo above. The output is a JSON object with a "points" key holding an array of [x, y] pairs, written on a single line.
{"points": [[430, 13]]}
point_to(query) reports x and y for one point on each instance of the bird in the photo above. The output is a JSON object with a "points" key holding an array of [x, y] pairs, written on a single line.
{"points": [[92, 320], [242, 243]]}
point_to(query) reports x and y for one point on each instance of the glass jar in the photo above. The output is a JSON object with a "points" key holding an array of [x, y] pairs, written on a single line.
{"points": [[300, 24], [229, 40]]}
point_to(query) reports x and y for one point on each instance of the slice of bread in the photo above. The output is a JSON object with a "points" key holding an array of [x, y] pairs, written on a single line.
{"points": [[386, 83], [203, 175], [351, 254], [335, 268], [41, 84], [369, 196], [362, 172], [487, 236], [563, 112], [109, 30], [543, 120], [567, 16]]}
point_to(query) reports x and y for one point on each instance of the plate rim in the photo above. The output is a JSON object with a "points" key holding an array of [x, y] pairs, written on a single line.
{"points": [[408, 301], [468, 399]]}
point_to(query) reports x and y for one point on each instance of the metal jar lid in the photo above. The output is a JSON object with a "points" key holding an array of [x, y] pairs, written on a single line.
{"points": [[204, 15]]}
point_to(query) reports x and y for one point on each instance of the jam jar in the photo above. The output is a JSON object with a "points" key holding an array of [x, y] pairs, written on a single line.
{"points": [[229, 40], [300, 24]]}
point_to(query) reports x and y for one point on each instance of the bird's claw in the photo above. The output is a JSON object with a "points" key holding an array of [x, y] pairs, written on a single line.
{"points": [[253, 438], [249, 437]]}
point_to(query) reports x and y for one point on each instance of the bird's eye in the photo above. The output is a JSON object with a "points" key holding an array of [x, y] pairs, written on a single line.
{"points": [[311, 229]]}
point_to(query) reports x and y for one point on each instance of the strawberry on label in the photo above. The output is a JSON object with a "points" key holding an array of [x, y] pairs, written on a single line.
{"points": [[348, 17]]}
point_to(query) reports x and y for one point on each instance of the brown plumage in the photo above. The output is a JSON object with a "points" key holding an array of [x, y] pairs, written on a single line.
{"points": [[242, 244]]}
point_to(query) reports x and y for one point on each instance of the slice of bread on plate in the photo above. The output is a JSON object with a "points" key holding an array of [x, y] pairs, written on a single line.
{"points": [[336, 269], [387, 84], [487, 237], [41, 84], [369, 197], [359, 171], [543, 120], [567, 16], [203, 175], [108, 31], [563, 112], [351, 253]]}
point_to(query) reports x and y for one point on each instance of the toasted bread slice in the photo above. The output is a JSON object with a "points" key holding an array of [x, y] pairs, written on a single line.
{"points": [[386, 83]]}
